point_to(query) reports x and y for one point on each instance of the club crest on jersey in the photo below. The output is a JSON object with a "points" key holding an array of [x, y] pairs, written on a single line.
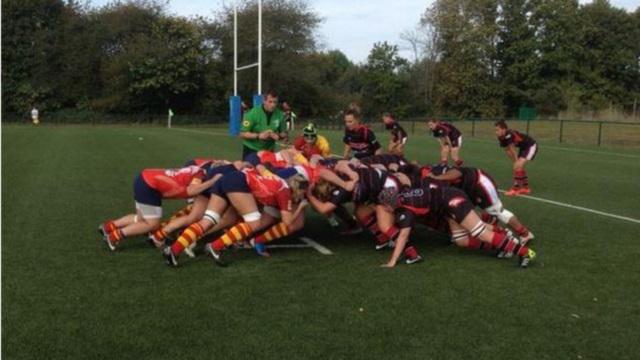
{"points": [[413, 193], [246, 123], [456, 201]]}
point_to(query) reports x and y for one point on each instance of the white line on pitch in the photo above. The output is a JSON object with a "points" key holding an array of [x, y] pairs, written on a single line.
{"points": [[202, 132], [619, 217], [321, 249]]}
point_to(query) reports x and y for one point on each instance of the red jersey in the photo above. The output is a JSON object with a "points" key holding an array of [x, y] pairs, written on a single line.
{"points": [[173, 183], [275, 159], [311, 173], [269, 189]]}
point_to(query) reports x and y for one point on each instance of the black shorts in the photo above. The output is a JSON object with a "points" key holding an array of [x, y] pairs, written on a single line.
{"points": [[456, 142], [144, 194], [528, 152], [456, 204], [234, 181]]}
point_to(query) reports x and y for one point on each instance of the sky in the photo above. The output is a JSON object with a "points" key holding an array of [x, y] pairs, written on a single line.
{"points": [[351, 26]]}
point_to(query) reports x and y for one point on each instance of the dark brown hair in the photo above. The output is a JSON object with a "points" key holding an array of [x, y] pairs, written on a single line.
{"points": [[501, 124]]}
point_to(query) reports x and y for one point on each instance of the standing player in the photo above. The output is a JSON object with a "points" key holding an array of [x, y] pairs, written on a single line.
{"points": [[358, 138], [450, 140], [398, 135], [310, 143], [527, 149]]}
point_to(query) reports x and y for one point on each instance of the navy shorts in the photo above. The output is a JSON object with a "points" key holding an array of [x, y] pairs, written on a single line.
{"points": [[529, 152], [222, 169], [252, 158], [234, 181], [246, 151], [456, 204], [144, 194]]}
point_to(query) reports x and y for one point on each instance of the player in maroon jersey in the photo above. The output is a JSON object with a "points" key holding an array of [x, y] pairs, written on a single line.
{"points": [[444, 202], [483, 192], [358, 138], [527, 149], [450, 139], [398, 136]]}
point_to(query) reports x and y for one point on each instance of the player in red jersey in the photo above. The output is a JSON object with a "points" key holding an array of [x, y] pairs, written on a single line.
{"points": [[358, 138], [278, 160], [150, 187], [527, 149], [483, 192], [240, 193], [450, 139], [398, 138], [451, 204]]}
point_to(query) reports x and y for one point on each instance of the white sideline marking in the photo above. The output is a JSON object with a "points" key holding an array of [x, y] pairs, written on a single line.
{"points": [[201, 132], [579, 208], [321, 249]]}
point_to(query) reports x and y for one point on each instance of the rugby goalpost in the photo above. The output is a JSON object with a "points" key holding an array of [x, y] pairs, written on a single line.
{"points": [[235, 102]]}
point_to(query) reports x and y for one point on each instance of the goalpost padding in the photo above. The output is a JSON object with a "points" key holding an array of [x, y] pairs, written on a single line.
{"points": [[235, 115]]}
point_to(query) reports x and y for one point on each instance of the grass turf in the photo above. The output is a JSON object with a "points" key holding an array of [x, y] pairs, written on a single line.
{"points": [[65, 296]]}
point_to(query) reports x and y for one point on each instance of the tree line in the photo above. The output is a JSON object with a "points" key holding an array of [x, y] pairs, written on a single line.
{"points": [[481, 58]]}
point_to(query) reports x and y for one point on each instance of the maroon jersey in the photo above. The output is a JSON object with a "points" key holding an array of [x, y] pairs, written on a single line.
{"points": [[431, 200], [370, 183], [362, 141], [477, 191], [445, 129], [397, 132], [518, 139]]}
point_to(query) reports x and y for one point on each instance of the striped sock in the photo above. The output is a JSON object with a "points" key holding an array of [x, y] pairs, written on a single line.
{"points": [[188, 236], [116, 235], [520, 178], [475, 243], [159, 235], [277, 231], [109, 226], [236, 234]]}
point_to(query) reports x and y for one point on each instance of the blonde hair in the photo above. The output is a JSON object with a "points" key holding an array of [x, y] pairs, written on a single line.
{"points": [[323, 189], [298, 185]]}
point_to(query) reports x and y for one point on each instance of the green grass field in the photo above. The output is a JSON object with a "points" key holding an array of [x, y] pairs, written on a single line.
{"points": [[64, 295]]}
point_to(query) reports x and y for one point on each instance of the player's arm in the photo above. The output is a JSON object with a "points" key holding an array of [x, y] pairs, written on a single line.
{"points": [[511, 152], [197, 186], [331, 177], [322, 207], [347, 151], [401, 242], [450, 175]]}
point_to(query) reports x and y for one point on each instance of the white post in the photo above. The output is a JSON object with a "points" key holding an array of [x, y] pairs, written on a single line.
{"points": [[235, 49], [260, 47]]}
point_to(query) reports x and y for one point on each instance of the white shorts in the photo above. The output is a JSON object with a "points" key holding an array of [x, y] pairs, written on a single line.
{"points": [[489, 190], [149, 211]]}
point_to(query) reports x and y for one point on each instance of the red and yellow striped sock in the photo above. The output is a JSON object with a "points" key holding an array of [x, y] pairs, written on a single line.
{"points": [[277, 231], [160, 235], [236, 234], [116, 235], [109, 226], [188, 236]]}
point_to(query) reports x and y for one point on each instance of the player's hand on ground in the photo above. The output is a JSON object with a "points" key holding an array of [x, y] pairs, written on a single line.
{"points": [[390, 264]]}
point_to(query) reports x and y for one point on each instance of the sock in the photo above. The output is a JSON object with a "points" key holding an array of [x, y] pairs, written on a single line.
{"points": [[521, 231], [277, 231], [371, 224], [116, 235], [235, 234], [503, 243], [475, 243], [410, 252], [459, 162], [109, 226], [520, 179], [159, 235], [188, 236]]}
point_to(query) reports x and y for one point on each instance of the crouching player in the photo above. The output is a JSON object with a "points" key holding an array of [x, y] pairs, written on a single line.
{"points": [[433, 200], [483, 192], [527, 149], [149, 188], [241, 193]]}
